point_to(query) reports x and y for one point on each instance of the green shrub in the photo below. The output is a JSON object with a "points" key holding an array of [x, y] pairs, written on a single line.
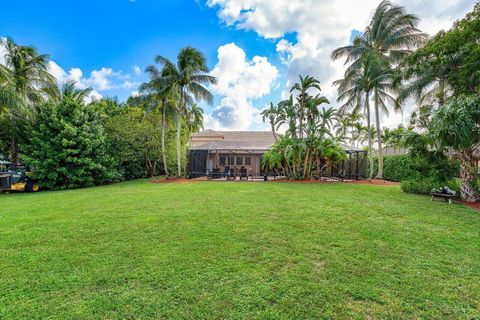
{"points": [[406, 167], [425, 185], [67, 147]]}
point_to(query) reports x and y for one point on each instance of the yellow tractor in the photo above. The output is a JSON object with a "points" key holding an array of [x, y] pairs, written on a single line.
{"points": [[16, 178]]}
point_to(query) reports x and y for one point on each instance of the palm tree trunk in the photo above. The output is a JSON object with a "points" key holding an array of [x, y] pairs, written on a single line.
{"points": [[273, 130], [379, 139], [164, 154], [14, 154], [468, 189], [179, 129], [370, 145]]}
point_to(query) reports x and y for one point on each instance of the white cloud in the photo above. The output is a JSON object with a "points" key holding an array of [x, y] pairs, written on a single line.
{"points": [[239, 82], [100, 80], [137, 70], [321, 26]]}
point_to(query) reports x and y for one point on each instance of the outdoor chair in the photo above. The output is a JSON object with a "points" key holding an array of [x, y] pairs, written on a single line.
{"points": [[243, 173], [229, 173], [215, 173]]}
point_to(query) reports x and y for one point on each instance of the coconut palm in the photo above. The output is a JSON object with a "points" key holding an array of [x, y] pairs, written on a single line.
{"points": [[159, 95], [390, 36], [188, 76], [25, 72]]}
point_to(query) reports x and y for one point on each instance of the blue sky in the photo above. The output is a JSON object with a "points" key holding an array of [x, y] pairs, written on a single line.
{"points": [[123, 35]]}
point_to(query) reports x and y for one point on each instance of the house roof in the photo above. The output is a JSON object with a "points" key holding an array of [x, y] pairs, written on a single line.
{"points": [[239, 141], [235, 145]]}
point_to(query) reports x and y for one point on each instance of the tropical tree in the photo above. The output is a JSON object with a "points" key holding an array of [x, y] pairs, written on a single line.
{"points": [[194, 117], [271, 113], [457, 126], [68, 90], [391, 35], [24, 74], [158, 95], [303, 86], [188, 77]]}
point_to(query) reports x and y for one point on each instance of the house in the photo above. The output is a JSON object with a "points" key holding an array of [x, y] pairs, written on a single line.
{"points": [[218, 150], [213, 151]]}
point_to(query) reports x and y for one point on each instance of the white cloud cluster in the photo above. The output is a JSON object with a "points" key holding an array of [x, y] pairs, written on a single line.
{"points": [[99, 80], [239, 82], [321, 26]]}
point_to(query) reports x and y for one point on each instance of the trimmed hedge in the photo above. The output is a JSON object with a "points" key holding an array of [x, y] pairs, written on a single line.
{"points": [[405, 167], [425, 185]]}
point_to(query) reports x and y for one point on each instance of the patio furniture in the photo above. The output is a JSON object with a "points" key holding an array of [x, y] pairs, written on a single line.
{"points": [[243, 173], [444, 196], [444, 193], [229, 173], [215, 174]]}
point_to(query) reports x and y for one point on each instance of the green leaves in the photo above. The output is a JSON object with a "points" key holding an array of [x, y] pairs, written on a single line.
{"points": [[68, 147]]}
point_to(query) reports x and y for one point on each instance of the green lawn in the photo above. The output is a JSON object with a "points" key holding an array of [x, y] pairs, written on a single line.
{"points": [[219, 250]]}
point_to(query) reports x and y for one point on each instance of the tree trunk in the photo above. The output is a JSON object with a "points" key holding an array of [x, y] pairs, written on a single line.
{"points": [[273, 130], [379, 139], [14, 155], [468, 176], [370, 145], [179, 129], [164, 154]]}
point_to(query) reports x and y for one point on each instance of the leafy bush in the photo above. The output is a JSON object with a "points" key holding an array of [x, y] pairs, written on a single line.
{"points": [[67, 147], [407, 167], [425, 185]]}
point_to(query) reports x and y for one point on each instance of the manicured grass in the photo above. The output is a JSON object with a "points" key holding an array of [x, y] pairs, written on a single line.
{"points": [[219, 250]]}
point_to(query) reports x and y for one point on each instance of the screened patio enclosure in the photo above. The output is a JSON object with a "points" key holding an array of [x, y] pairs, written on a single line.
{"points": [[215, 159], [221, 156]]}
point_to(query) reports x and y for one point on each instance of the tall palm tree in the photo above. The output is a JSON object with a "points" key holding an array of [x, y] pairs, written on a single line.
{"points": [[355, 92], [159, 95], [188, 76], [27, 73], [390, 36], [306, 83], [272, 114]]}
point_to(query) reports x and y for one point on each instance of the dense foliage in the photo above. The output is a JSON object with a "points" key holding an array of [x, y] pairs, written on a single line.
{"points": [[307, 144], [407, 167], [67, 146]]}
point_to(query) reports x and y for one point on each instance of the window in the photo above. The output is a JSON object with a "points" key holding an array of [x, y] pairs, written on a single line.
{"points": [[222, 160], [231, 161], [239, 161], [248, 161]]}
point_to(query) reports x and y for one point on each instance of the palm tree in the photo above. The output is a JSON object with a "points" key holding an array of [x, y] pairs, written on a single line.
{"points": [[272, 114], [390, 36], [303, 86], [26, 73], [68, 90], [327, 116], [159, 95], [354, 90], [188, 77], [194, 118], [456, 126]]}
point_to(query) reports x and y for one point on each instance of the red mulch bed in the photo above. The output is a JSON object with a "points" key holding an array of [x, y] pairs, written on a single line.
{"points": [[370, 182], [473, 205], [379, 182], [172, 180]]}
